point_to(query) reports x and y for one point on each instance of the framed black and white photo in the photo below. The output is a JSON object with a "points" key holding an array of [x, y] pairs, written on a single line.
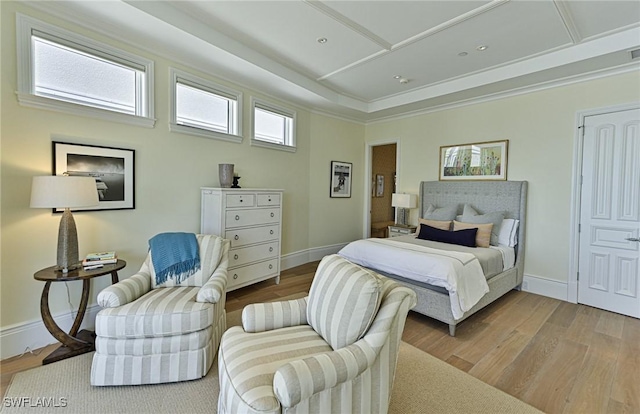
{"points": [[112, 168], [340, 179]]}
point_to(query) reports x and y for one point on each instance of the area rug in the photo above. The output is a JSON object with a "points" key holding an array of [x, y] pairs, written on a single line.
{"points": [[423, 384]]}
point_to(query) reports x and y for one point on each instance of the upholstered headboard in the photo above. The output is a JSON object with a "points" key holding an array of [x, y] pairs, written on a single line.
{"points": [[485, 197]]}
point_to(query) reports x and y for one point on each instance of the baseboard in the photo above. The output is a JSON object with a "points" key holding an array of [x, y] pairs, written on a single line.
{"points": [[545, 287], [310, 255], [16, 339], [20, 338]]}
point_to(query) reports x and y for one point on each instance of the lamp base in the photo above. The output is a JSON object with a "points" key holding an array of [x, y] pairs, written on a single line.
{"points": [[67, 243], [402, 216]]}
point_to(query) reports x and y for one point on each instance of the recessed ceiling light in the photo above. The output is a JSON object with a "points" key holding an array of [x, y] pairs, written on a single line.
{"points": [[482, 48], [462, 54], [322, 40], [397, 77]]}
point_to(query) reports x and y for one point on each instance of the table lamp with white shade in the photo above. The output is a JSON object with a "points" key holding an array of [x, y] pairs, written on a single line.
{"points": [[403, 202], [62, 191]]}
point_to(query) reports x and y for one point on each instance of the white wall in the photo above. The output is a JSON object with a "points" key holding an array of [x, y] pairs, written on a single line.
{"points": [[540, 127], [170, 169], [336, 140]]}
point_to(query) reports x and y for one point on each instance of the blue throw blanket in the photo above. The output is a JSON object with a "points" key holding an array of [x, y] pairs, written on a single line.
{"points": [[175, 256]]}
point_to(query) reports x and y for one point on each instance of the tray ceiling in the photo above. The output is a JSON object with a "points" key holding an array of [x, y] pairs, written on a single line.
{"points": [[380, 58]]}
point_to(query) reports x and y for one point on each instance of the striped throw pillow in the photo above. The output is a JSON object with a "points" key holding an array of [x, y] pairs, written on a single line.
{"points": [[343, 301]]}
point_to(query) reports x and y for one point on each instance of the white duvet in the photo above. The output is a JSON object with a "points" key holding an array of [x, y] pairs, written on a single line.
{"points": [[459, 273]]}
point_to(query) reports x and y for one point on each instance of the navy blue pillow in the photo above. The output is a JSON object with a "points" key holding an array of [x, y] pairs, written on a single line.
{"points": [[466, 237]]}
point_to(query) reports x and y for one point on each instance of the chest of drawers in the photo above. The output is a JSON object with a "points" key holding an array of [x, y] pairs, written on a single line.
{"points": [[252, 220]]}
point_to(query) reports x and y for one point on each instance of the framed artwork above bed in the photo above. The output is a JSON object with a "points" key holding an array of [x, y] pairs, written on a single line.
{"points": [[476, 161]]}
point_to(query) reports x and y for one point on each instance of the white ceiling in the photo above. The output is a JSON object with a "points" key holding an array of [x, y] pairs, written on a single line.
{"points": [[272, 45]]}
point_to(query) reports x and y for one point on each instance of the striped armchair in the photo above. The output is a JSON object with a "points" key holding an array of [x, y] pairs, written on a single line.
{"points": [[332, 351], [149, 334]]}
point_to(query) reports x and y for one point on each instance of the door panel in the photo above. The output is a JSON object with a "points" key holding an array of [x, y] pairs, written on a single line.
{"points": [[609, 263]]}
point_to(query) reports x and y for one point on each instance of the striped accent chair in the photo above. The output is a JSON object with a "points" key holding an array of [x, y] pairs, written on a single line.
{"points": [[334, 351], [150, 334]]}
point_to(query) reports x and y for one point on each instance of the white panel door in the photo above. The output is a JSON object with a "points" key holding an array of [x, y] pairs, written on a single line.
{"points": [[609, 264]]}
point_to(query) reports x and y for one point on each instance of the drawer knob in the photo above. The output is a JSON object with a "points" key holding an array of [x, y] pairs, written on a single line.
{"points": [[241, 200], [237, 217], [270, 266], [273, 215], [235, 256], [270, 249], [271, 232], [269, 198], [235, 276], [236, 237]]}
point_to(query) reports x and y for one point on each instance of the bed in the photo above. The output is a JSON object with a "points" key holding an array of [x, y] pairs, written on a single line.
{"points": [[435, 299]]}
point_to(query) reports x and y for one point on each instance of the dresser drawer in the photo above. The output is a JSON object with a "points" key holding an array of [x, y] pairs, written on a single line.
{"points": [[245, 274], [240, 218], [241, 200], [265, 200], [242, 237], [242, 256]]}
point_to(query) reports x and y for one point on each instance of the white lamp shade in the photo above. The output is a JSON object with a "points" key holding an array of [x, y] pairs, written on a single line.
{"points": [[404, 200], [60, 191]]}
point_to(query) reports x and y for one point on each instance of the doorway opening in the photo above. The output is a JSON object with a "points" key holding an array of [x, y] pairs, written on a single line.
{"points": [[383, 179]]}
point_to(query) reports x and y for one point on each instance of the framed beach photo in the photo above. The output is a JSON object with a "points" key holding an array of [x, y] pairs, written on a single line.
{"points": [[477, 161], [340, 179], [112, 168]]}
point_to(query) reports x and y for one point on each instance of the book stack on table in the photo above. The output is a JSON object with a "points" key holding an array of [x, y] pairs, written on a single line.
{"points": [[98, 260]]}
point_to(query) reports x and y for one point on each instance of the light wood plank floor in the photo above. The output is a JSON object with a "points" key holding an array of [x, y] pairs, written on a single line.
{"points": [[556, 356]]}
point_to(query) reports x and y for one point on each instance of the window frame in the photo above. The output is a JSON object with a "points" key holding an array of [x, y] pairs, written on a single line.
{"points": [[26, 27], [290, 141], [205, 86]]}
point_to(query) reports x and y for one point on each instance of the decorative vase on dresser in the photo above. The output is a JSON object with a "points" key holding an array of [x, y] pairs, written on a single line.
{"points": [[252, 220]]}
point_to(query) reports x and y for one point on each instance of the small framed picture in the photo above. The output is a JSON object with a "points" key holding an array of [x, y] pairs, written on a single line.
{"points": [[340, 179], [379, 185], [477, 161], [112, 168]]}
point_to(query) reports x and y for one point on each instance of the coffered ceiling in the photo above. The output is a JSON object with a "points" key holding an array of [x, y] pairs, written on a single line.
{"points": [[369, 60]]}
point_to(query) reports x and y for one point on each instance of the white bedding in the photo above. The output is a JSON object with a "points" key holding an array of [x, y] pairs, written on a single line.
{"points": [[436, 267], [508, 256]]}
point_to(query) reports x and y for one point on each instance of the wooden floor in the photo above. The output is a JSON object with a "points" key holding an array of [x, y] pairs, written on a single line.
{"points": [[554, 355]]}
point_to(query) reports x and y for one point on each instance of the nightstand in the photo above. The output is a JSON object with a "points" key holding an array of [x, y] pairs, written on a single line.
{"points": [[401, 230]]}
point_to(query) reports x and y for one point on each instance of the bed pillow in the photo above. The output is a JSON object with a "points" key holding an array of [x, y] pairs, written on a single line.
{"points": [[483, 237], [438, 224], [508, 232], [470, 215], [465, 237], [440, 213]]}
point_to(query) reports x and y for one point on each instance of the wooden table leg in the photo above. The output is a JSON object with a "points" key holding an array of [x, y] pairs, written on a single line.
{"points": [[81, 309], [71, 344]]}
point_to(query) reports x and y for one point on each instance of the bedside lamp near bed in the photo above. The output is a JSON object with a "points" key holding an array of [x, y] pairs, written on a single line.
{"points": [[403, 202]]}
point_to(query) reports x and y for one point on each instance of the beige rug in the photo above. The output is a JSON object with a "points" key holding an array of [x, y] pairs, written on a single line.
{"points": [[423, 384]]}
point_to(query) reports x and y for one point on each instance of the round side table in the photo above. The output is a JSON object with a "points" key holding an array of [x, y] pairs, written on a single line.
{"points": [[73, 343]]}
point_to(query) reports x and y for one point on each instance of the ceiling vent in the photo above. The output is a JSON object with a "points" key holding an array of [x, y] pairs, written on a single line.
{"points": [[635, 54]]}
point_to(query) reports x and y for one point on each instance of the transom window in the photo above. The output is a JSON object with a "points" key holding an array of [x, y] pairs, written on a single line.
{"points": [[64, 71], [201, 107], [273, 126]]}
